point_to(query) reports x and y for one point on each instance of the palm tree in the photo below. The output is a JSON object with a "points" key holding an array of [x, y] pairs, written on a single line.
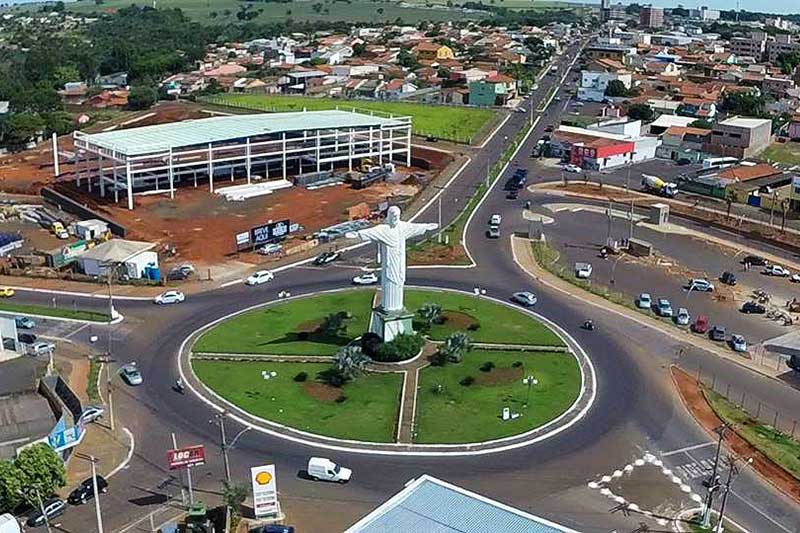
{"points": [[333, 324], [350, 361], [430, 313], [456, 345]]}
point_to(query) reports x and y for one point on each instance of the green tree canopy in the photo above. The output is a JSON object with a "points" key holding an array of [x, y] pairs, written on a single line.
{"points": [[37, 472], [744, 104], [142, 97], [640, 112]]}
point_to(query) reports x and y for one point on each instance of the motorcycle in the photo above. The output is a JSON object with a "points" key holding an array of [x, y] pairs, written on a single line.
{"points": [[178, 386], [588, 325]]}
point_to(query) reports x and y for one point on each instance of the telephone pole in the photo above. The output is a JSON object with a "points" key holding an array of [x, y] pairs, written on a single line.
{"points": [[712, 484], [93, 461], [733, 473]]}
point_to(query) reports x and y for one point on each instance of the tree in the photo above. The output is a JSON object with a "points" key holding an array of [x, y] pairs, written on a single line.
{"points": [[142, 97], [350, 361], [616, 89], [379, 11], [59, 122], [407, 59], [334, 324], [37, 472], [359, 49], [20, 128], [788, 61], [234, 496], [640, 112], [456, 346], [430, 313], [702, 124], [744, 104]]}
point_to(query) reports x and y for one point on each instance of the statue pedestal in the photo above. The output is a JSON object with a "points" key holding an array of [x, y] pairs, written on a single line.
{"points": [[389, 324]]}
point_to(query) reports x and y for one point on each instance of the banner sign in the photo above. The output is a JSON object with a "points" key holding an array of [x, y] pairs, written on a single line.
{"points": [[267, 232], [265, 491], [188, 456]]}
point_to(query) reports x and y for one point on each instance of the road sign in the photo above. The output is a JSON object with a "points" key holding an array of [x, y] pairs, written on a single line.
{"points": [[185, 457], [265, 490]]}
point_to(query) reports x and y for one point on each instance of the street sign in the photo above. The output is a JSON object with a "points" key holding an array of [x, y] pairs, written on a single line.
{"points": [[265, 490], [185, 457], [65, 439]]}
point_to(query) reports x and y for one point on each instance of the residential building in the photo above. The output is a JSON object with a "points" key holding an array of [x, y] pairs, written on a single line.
{"points": [[679, 143], [616, 51], [705, 14], [755, 45], [428, 51], [740, 137], [133, 257], [794, 128], [651, 17], [612, 12], [494, 90], [784, 43], [594, 84]]}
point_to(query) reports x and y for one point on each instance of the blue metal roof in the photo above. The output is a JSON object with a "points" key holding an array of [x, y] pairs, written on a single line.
{"points": [[433, 506]]}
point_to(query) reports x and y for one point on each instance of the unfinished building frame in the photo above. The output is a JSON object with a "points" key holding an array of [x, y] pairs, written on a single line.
{"points": [[156, 159]]}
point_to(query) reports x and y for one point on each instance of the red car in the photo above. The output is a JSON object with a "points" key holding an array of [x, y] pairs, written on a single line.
{"points": [[701, 324]]}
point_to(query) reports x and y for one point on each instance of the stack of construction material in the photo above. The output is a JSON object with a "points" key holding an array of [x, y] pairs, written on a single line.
{"points": [[238, 193]]}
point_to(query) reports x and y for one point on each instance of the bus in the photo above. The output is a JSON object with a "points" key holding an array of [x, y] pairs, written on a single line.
{"points": [[719, 162]]}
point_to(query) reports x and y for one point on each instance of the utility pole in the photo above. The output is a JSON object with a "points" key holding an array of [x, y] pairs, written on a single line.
{"points": [[712, 484], [440, 218], [608, 238], [733, 471], [487, 173], [93, 461], [220, 417], [628, 179], [630, 219]]}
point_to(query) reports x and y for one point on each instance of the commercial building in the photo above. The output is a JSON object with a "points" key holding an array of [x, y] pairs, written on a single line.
{"points": [[740, 137], [132, 258], [255, 147], [683, 144], [651, 17], [754, 45], [594, 84], [704, 13], [783, 43], [432, 505], [600, 149]]}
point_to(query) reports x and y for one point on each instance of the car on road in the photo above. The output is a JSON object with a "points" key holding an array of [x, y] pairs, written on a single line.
{"points": [[512, 194], [495, 220], [795, 278], [6, 292], [169, 297], [327, 257], [701, 324], [754, 260], [524, 298], [738, 344], [259, 277], [520, 109], [682, 317], [664, 308], [370, 278], [41, 348], [85, 491], [24, 322], [549, 128], [575, 169], [130, 374], [26, 338], [176, 275], [644, 301], [583, 270], [699, 284], [273, 528], [90, 413], [776, 270], [728, 278], [269, 249], [493, 232], [717, 333], [320, 468], [753, 308], [49, 509]]}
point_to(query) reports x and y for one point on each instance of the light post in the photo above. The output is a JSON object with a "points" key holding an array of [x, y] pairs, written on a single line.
{"points": [[530, 381], [41, 505], [614, 268], [93, 461], [733, 472], [712, 485]]}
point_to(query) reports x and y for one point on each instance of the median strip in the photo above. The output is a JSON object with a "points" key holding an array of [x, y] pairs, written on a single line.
{"points": [[45, 311]]}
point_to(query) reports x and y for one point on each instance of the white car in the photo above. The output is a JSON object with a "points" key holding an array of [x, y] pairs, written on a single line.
{"points": [[738, 344], [41, 348], [575, 169], [682, 318], [702, 285], [131, 374], [257, 278], [370, 278], [269, 249], [645, 301], [320, 468], [776, 270], [520, 110], [795, 278], [583, 270], [525, 298], [495, 220], [91, 413], [169, 297]]}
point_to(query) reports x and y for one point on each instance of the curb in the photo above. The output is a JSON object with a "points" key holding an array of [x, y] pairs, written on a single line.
{"points": [[117, 320]]}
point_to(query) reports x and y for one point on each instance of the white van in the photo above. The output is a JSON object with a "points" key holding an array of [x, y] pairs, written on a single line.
{"points": [[9, 524], [320, 468]]}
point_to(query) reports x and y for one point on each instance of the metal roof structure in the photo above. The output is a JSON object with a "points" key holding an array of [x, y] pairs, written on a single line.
{"points": [[204, 131], [117, 250], [434, 506]]}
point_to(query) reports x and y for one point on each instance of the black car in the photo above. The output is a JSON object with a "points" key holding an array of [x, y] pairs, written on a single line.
{"points": [[728, 278], [753, 308], [326, 257], [177, 275], [717, 333], [512, 195], [52, 508], [754, 260], [26, 338], [85, 491], [273, 528]]}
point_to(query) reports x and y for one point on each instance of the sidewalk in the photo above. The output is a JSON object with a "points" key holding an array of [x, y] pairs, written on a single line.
{"points": [[523, 256]]}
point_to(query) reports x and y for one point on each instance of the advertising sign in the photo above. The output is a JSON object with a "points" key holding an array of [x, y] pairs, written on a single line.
{"points": [[67, 438], [267, 232], [243, 240], [187, 456], [265, 491]]}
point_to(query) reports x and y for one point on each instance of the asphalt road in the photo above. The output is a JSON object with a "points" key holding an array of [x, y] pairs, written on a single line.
{"points": [[635, 410]]}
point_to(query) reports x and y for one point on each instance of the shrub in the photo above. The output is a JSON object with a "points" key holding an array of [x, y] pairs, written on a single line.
{"points": [[439, 358], [402, 347], [333, 377], [474, 327], [438, 389], [301, 377], [487, 366], [467, 381], [341, 398], [516, 364], [303, 336], [370, 343]]}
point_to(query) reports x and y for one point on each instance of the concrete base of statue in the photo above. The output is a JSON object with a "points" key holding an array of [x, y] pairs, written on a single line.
{"points": [[390, 324]]}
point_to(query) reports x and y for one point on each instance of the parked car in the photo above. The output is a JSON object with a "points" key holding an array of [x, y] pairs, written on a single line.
{"points": [[717, 333], [273, 528], [176, 275], [26, 338], [41, 348], [512, 194], [524, 298], [775, 270], [495, 220], [644, 301], [9, 524], [85, 491], [259, 277], [327, 257], [90, 413], [682, 318], [738, 344], [131, 375], [24, 322], [50, 509], [6, 292], [754, 260], [753, 308], [370, 278], [169, 297], [575, 169], [701, 324], [702, 285], [269, 249], [664, 308], [728, 278], [320, 468], [493, 232], [795, 278], [549, 128], [583, 270]]}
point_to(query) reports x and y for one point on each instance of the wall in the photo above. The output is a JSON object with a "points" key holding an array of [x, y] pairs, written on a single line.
{"points": [[71, 206]]}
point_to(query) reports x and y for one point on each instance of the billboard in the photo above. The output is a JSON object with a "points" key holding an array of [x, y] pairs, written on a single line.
{"points": [[267, 232], [265, 490], [185, 457]]}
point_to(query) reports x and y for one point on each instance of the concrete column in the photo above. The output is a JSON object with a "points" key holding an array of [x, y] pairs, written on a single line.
{"points": [[56, 169], [391, 144], [351, 149], [336, 141], [284, 155], [129, 184], [171, 177], [102, 178], [210, 170], [380, 146], [77, 167], [408, 153], [116, 184], [318, 155], [370, 141], [247, 159]]}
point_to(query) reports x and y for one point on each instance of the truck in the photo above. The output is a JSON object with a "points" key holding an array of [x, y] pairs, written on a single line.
{"points": [[9, 524], [658, 186], [58, 230]]}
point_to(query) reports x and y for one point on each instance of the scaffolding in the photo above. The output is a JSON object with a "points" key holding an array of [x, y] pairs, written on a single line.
{"points": [[157, 159]]}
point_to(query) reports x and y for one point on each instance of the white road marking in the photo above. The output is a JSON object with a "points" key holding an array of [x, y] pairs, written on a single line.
{"points": [[127, 459], [75, 332], [687, 449], [762, 513], [229, 283]]}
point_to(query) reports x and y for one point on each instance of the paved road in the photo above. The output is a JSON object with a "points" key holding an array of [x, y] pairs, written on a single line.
{"points": [[635, 410]]}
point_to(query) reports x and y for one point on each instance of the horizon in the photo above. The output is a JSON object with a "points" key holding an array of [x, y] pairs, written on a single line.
{"points": [[777, 7]]}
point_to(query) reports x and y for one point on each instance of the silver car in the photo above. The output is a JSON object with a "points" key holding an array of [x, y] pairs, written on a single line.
{"points": [[527, 299]]}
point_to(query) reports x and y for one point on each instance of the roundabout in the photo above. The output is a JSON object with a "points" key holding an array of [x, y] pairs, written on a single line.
{"points": [[520, 380]]}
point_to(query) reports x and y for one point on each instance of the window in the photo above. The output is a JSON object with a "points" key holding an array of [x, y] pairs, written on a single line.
{"points": [[735, 135]]}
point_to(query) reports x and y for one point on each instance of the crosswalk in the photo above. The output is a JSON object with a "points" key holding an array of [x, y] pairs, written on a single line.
{"points": [[695, 469]]}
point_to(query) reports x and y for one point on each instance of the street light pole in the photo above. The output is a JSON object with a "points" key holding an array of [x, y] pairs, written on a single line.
{"points": [[733, 471], [223, 444], [93, 461], [713, 481]]}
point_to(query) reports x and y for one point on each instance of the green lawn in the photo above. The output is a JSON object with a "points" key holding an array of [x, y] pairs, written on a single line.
{"points": [[446, 122], [369, 413], [779, 447], [275, 329], [498, 323], [58, 312], [788, 152], [460, 414]]}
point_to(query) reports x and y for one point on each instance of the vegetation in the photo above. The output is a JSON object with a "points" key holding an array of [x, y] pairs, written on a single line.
{"points": [[349, 363], [453, 349], [788, 62], [430, 313], [402, 347], [747, 104], [369, 412], [617, 89], [788, 153], [640, 112], [92, 393], [702, 124], [234, 495], [37, 472], [58, 312]]}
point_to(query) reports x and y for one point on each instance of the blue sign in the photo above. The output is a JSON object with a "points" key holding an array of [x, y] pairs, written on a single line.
{"points": [[64, 439]]}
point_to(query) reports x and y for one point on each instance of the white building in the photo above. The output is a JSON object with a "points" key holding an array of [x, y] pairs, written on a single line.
{"points": [[594, 84], [704, 13], [132, 257]]}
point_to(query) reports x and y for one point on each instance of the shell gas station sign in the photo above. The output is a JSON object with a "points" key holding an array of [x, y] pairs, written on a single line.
{"points": [[265, 491]]}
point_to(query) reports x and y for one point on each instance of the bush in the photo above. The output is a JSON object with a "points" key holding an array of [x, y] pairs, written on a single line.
{"points": [[402, 347], [341, 398], [467, 381], [301, 377], [487, 366], [370, 342], [474, 327], [516, 364], [303, 336], [439, 358], [438, 389], [333, 377]]}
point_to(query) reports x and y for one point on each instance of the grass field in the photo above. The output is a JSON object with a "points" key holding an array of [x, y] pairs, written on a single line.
{"points": [[369, 413], [788, 152], [498, 323], [57, 312], [779, 447], [459, 124], [276, 329], [459, 414]]}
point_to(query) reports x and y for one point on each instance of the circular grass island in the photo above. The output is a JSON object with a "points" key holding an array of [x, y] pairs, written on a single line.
{"points": [[277, 362]]}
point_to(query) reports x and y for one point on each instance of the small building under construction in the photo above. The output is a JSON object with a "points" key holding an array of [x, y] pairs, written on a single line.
{"points": [[262, 148]]}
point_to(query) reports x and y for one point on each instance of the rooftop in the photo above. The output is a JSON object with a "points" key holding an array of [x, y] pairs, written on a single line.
{"points": [[116, 250], [201, 132], [434, 506], [741, 122]]}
